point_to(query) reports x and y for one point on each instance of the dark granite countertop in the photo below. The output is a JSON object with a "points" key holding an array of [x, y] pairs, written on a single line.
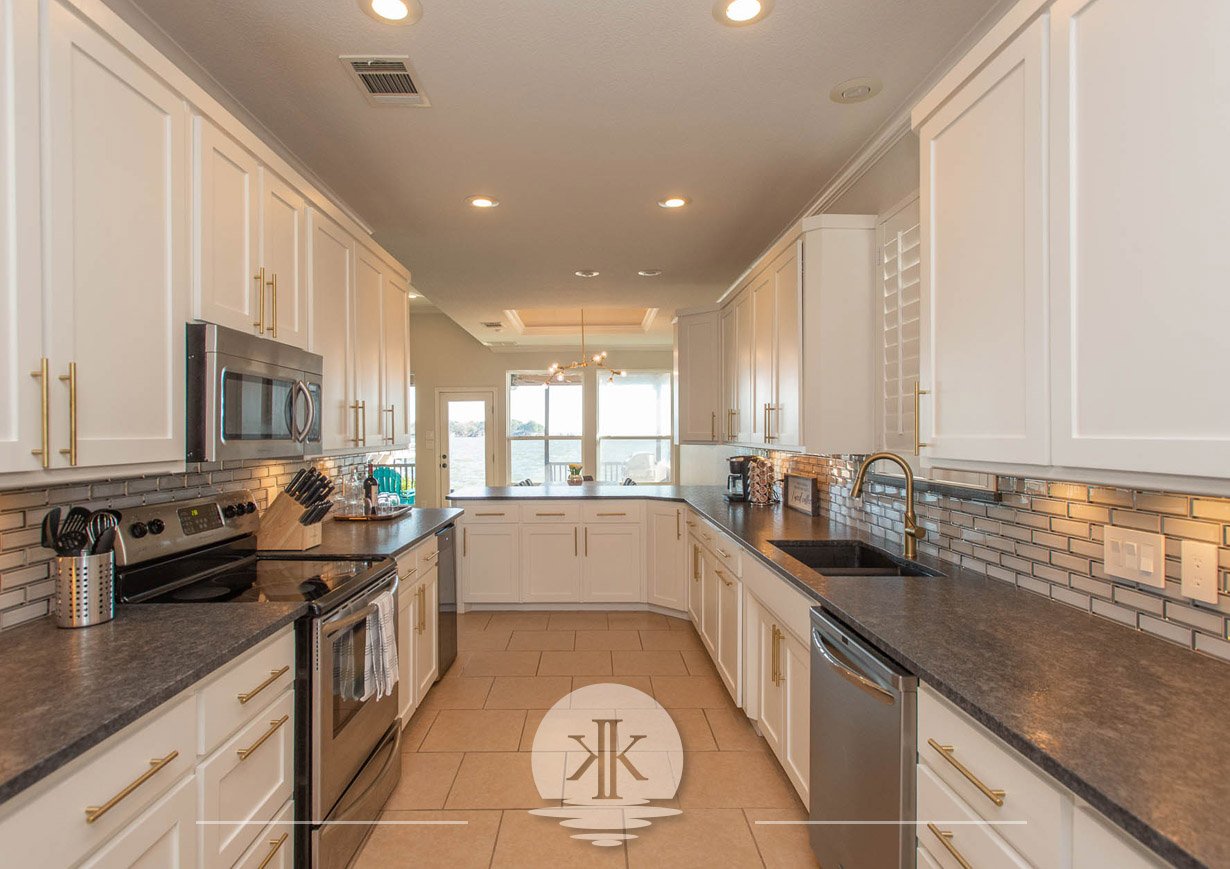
{"points": [[64, 691], [1128, 722]]}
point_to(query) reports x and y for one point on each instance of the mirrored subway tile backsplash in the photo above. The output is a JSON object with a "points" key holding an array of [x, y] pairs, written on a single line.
{"points": [[27, 583], [1046, 537]]}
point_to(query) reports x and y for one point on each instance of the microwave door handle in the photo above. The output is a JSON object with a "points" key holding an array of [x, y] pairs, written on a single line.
{"points": [[292, 411], [301, 435]]}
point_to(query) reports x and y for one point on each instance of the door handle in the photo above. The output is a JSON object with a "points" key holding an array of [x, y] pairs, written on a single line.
{"points": [[856, 679], [918, 442]]}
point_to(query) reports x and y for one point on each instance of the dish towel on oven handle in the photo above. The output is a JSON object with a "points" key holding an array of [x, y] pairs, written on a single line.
{"points": [[380, 654]]}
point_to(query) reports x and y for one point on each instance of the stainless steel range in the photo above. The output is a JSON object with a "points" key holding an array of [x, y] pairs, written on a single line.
{"points": [[347, 746]]}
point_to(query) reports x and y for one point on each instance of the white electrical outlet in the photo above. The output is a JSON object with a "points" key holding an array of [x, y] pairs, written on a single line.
{"points": [[1136, 555], [1199, 571]]}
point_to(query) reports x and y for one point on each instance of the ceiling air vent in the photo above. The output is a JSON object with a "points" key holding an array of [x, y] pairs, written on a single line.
{"points": [[385, 81]]}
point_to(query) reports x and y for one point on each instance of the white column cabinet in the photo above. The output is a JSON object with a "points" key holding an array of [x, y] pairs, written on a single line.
{"points": [[550, 563], [490, 556], [116, 155], [698, 378], [394, 407], [613, 563], [331, 260], [666, 556], [729, 389], [365, 413]]}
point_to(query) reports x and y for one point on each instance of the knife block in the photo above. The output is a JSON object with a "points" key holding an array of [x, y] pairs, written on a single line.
{"points": [[280, 528]]}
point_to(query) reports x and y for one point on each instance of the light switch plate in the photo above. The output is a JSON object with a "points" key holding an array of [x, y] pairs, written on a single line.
{"points": [[1135, 555], [1199, 570]]}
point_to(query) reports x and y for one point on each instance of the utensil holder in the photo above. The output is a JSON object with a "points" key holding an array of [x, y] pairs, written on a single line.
{"points": [[85, 590]]}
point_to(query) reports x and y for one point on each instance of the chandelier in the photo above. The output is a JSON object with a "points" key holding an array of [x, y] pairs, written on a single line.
{"points": [[559, 373]]}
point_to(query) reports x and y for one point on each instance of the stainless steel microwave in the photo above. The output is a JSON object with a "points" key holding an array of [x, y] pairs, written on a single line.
{"points": [[249, 397]]}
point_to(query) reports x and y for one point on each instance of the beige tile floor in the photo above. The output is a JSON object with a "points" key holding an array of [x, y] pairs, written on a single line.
{"points": [[466, 753]]}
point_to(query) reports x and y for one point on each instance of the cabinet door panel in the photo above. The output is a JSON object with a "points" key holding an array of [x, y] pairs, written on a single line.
{"points": [[710, 603], [550, 563], [984, 287], [699, 378], [165, 837], [369, 336], [796, 673], [331, 254], [764, 330], [696, 588], [407, 618], [730, 634], [666, 557], [227, 180], [745, 370], [771, 693], [489, 563], [282, 216], [426, 650], [394, 416], [613, 563], [1138, 229], [784, 418], [729, 408], [116, 154]]}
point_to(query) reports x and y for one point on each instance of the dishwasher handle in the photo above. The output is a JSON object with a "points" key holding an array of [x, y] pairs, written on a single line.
{"points": [[852, 676]]}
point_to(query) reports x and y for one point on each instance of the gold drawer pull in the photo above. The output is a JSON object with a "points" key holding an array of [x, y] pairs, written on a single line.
{"points": [[945, 837], [550, 514], [946, 752], [488, 514], [244, 753], [722, 552], [722, 576], [274, 846], [93, 813], [691, 524], [412, 571], [612, 514], [274, 675], [432, 556]]}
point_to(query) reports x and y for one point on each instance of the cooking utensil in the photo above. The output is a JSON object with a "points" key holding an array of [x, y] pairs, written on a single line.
{"points": [[72, 543], [51, 527], [100, 521], [75, 522], [105, 542]]}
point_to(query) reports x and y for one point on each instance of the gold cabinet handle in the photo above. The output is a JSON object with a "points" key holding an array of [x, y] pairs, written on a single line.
{"points": [[245, 753], [732, 424], [273, 321], [488, 514], [274, 846], [259, 323], [93, 813], [722, 576], [575, 546], [713, 426], [274, 675], [722, 552], [586, 535], [44, 451], [612, 514], [71, 379], [431, 557], [918, 443], [776, 667], [678, 525], [948, 753], [550, 514], [363, 416], [690, 524], [465, 541], [945, 837], [422, 608], [357, 407]]}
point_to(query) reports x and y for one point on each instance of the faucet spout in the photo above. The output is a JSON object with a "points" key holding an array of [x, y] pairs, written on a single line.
{"points": [[912, 532]]}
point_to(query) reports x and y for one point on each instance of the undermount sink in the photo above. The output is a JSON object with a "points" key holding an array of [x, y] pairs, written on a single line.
{"points": [[850, 558]]}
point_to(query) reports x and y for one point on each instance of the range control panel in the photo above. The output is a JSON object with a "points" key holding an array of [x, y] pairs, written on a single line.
{"points": [[162, 530]]}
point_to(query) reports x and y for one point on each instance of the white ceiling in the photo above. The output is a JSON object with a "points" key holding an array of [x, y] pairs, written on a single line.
{"points": [[578, 116]]}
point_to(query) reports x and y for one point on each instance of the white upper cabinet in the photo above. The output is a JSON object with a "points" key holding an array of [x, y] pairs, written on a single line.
{"points": [[229, 290], [331, 259], [728, 409], [984, 302], [116, 156], [745, 417], [282, 258], [697, 351], [1140, 202], [394, 409], [370, 278]]}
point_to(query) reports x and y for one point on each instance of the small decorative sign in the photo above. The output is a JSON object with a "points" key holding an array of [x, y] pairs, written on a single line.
{"points": [[803, 494]]}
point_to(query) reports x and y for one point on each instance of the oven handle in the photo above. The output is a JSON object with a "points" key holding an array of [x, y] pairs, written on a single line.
{"points": [[350, 621]]}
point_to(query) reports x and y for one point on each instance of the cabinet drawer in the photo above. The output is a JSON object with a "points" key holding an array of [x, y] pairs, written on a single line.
{"points": [[551, 511], [426, 554], [729, 554], [1027, 795], [247, 781], [165, 837], [483, 512], [230, 701], [615, 510], [946, 829], [118, 781], [274, 848]]}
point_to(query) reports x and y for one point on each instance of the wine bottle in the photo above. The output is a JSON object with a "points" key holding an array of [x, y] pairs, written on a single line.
{"points": [[371, 491]]}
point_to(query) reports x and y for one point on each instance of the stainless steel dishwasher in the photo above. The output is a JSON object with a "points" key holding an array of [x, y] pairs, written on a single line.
{"points": [[863, 734]]}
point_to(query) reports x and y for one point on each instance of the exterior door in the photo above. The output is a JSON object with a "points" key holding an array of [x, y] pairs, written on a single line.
{"points": [[227, 178], [984, 303], [116, 156], [550, 563], [467, 432], [282, 214], [331, 253]]}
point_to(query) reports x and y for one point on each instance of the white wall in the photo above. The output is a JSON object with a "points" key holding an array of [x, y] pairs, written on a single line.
{"points": [[444, 356], [889, 180]]}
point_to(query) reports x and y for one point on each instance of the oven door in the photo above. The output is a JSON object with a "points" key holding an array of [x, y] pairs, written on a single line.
{"points": [[346, 728]]}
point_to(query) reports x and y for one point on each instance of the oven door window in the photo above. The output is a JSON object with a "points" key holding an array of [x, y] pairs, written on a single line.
{"points": [[256, 408], [350, 689]]}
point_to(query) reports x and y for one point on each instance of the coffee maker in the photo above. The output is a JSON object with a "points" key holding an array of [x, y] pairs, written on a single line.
{"points": [[737, 484]]}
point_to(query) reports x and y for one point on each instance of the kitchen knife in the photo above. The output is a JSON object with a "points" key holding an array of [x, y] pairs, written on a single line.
{"points": [[293, 485], [324, 511], [314, 494]]}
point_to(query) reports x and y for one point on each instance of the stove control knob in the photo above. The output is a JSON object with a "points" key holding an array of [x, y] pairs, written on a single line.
{"points": [[138, 530], [250, 506], [157, 526], [230, 510]]}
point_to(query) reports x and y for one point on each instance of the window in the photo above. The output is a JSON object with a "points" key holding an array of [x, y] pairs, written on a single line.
{"points": [[545, 423], [634, 427]]}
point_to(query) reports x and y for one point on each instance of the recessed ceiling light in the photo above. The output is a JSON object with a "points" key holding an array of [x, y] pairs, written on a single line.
{"points": [[674, 202], [856, 90], [586, 273], [481, 201], [393, 11], [649, 273], [740, 13]]}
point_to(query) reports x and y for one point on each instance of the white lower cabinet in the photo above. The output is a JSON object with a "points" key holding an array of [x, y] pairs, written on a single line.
{"points": [[274, 848], [696, 564], [729, 637], [550, 563], [407, 619], [782, 685], [710, 602], [489, 562], [613, 563], [164, 837], [426, 647], [666, 556]]}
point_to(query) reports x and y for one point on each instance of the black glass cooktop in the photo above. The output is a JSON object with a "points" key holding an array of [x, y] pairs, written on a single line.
{"points": [[268, 580]]}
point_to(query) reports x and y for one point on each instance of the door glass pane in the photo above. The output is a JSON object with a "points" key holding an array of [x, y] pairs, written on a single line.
{"points": [[467, 444], [645, 460], [256, 408]]}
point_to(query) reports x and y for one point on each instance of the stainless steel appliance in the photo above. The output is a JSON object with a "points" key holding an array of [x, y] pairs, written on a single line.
{"points": [[738, 483], [249, 397], [446, 565], [863, 733], [347, 745]]}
